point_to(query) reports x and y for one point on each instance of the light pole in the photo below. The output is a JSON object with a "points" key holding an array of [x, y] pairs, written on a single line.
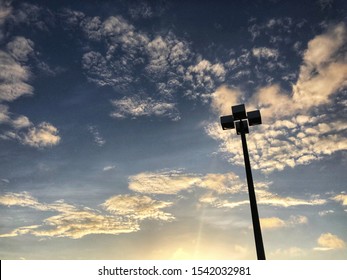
{"points": [[241, 120]]}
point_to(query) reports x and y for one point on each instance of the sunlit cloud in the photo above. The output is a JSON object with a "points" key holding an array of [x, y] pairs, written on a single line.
{"points": [[138, 207], [275, 222], [22, 199], [291, 135], [45, 134], [75, 222], [162, 182], [328, 241], [341, 198], [222, 98], [174, 181]]}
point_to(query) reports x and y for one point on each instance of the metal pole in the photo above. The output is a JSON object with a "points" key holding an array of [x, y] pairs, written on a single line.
{"points": [[253, 202]]}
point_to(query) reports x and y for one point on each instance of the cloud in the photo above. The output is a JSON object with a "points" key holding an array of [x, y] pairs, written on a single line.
{"points": [[96, 135], [76, 222], [325, 212], [20, 48], [264, 197], [341, 198], [44, 135], [109, 167], [14, 78], [275, 222], [140, 107], [222, 98], [324, 70], [217, 186], [138, 207], [23, 199], [162, 182], [291, 134], [174, 181], [264, 52], [204, 77], [328, 241]]}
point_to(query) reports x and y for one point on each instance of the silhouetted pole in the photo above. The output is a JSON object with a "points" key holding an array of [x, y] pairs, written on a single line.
{"points": [[253, 201], [241, 120]]}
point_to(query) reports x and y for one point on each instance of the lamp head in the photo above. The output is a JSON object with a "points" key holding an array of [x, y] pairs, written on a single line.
{"points": [[227, 122], [242, 126], [239, 112], [254, 117]]}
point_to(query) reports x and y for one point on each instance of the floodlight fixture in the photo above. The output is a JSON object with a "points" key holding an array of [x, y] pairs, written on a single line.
{"points": [[239, 112], [241, 121], [242, 126], [254, 118], [227, 122]]}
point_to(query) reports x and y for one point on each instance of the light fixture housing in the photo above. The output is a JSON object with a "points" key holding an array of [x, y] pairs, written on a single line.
{"points": [[254, 117], [239, 112], [242, 126], [227, 122]]}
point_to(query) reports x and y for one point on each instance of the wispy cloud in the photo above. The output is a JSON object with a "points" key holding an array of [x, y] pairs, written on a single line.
{"points": [[98, 139], [15, 75], [15, 78], [109, 167], [125, 212], [174, 181], [275, 222], [138, 107], [264, 52], [139, 207]]}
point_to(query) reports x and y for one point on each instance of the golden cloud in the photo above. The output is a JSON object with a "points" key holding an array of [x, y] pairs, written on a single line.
{"points": [[329, 241]]}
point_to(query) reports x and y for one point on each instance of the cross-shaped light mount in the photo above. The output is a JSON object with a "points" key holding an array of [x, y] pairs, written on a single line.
{"points": [[240, 119]]}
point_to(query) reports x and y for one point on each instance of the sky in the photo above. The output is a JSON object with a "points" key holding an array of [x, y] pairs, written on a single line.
{"points": [[110, 141]]}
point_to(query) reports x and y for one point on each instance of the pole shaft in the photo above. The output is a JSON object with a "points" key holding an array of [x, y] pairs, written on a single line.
{"points": [[253, 202]]}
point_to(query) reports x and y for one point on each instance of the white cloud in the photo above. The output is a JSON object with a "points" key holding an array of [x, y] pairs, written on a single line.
{"points": [[204, 77], [328, 241], [109, 167], [20, 48], [264, 52], [138, 107], [43, 135], [325, 212], [98, 139], [14, 78]]}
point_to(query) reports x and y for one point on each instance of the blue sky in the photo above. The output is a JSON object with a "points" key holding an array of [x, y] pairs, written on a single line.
{"points": [[111, 146]]}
